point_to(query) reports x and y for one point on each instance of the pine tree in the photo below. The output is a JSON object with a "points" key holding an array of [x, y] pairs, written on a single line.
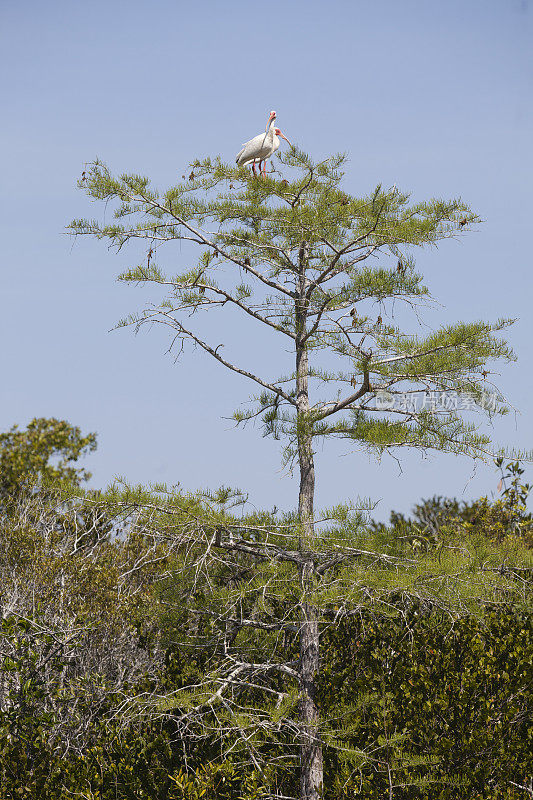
{"points": [[322, 270]]}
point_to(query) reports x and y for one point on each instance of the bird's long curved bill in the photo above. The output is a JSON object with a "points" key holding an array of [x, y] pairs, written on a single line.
{"points": [[271, 119], [284, 137]]}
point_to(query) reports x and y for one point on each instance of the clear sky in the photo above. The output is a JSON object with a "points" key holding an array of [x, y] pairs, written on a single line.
{"points": [[434, 96]]}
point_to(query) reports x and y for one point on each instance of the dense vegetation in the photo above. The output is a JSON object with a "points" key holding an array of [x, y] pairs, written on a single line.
{"points": [[430, 705]]}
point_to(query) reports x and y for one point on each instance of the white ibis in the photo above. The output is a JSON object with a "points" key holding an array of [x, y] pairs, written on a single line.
{"points": [[261, 147]]}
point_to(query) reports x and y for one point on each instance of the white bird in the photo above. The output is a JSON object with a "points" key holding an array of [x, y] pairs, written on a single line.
{"points": [[261, 147]]}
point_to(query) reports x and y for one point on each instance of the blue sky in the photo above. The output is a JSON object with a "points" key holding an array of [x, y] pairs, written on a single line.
{"points": [[435, 97]]}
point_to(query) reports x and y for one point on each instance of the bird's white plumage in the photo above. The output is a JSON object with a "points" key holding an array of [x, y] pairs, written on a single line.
{"points": [[260, 147]]}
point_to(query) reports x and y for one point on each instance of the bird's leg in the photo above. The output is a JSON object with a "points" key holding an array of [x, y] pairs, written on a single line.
{"points": [[260, 169], [253, 168], [265, 168]]}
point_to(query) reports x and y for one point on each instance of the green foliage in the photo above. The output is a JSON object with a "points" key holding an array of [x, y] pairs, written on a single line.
{"points": [[86, 755], [357, 260], [43, 453], [437, 708], [504, 520], [410, 697], [24, 725], [229, 612], [215, 781]]}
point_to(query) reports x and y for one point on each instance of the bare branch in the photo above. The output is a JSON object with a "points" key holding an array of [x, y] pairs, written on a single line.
{"points": [[213, 352], [348, 400]]}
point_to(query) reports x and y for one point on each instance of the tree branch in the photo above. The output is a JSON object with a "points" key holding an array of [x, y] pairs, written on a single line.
{"points": [[213, 352], [348, 400], [217, 247]]}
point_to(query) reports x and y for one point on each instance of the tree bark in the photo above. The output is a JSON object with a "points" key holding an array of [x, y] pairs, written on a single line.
{"points": [[311, 766], [311, 762]]}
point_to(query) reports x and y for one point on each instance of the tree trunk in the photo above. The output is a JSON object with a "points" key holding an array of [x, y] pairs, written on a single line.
{"points": [[311, 766]]}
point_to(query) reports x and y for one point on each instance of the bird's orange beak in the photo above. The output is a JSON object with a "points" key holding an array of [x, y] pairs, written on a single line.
{"points": [[284, 137], [270, 119]]}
